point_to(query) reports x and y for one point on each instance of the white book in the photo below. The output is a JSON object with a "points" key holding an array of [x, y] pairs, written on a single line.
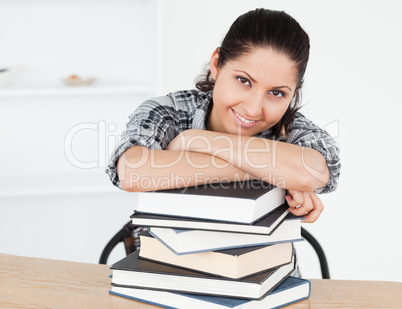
{"points": [[192, 241]]}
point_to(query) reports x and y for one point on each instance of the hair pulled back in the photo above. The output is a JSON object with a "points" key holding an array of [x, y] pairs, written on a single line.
{"points": [[267, 29]]}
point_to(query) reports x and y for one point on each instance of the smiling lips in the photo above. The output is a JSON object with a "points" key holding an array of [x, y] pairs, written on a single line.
{"points": [[244, 122]]}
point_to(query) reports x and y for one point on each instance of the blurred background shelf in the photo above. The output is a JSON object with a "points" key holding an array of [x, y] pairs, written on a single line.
{"points": [[98, 89], [85, 182]]}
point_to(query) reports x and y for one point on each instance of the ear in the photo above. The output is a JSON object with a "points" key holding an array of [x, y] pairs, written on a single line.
{"points": [[213, 64]]}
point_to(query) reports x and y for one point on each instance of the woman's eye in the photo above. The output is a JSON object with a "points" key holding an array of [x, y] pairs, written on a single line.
{"points": [[243, 80], [277, 93]]}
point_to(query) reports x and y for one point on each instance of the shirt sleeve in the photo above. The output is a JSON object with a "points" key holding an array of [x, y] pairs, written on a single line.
{"points": [[304, 132], [152, 125]]}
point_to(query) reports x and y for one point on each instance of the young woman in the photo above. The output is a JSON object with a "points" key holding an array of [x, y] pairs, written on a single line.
{"points": [[242, 122]]}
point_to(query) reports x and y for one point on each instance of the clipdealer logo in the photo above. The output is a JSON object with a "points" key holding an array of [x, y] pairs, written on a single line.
{"points": [[106, 140]]}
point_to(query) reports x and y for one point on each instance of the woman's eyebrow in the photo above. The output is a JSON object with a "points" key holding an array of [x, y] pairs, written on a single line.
{"points": [[248, 75], [254, 81], [284, 87]]}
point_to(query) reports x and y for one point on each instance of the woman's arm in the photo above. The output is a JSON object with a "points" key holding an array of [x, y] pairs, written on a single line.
{"points": [[143, 169], [282, 164]]}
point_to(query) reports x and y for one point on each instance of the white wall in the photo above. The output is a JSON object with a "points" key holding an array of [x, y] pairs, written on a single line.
{"points": [[351, 89], [55, 199]]}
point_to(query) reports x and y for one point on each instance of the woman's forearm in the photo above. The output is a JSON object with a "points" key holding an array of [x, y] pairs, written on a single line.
{"points": [[282, 164], [142, 169]]}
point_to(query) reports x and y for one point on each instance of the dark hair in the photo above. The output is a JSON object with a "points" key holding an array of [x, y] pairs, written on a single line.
{"points": [[265, 28]]}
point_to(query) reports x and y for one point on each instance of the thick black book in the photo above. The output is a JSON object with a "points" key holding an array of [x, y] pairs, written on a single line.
{"points": [[243, 201], [138, 273], [266, 225]]}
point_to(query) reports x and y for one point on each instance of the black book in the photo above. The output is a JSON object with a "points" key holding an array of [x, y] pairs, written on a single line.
{"points": [[243, 201], [266, 225], [138, 273]]}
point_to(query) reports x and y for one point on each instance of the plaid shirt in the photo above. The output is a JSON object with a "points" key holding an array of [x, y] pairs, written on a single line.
{"points": [[157, 121]]}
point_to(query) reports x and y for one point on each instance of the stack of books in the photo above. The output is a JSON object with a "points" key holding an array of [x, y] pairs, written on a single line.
{"points": [[227, 245]]}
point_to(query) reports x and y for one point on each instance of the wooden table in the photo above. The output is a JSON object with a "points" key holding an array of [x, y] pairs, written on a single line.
{"points": [[40, 283]]}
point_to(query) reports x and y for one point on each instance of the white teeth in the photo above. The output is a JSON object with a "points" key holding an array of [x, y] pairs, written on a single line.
{"points": [[242, 118]]}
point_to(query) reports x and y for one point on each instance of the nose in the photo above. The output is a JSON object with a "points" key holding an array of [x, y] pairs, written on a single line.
{"points": [[254, 103]]}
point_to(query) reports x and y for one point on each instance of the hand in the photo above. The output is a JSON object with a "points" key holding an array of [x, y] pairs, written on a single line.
{"points": [[305, 204]]}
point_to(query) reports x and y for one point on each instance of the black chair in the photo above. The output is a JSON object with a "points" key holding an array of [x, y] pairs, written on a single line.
{"points": [[320, 253], [128, 237]]}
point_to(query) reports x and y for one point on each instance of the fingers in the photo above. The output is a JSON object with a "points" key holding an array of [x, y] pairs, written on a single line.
{"points": [[313, 215], [295, 198], [305, 204], [301, 204]]}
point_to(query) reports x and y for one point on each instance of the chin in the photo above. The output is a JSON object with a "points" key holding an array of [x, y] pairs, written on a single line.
{"points": [[242, 131]]}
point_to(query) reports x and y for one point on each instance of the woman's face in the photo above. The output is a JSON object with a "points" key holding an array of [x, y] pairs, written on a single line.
{"points": [[252, 92]]}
